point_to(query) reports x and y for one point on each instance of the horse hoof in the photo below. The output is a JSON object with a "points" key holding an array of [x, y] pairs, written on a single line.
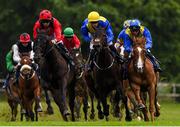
{"points": [[100, 116], [107, 118], [92, 116], [23, 111], [50, 110], [13, 119], [66, 113], [157, 114], [39, 109], [128, 118], [141, 106]]}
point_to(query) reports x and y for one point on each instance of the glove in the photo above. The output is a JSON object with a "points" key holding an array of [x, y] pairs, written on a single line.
{"points": [[54, 41]]}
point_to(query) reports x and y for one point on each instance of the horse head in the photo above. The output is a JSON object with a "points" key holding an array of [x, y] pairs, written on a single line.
{"points": [[99, 39], [26, 70], [78, 60], [138, 54], [42, 46]]}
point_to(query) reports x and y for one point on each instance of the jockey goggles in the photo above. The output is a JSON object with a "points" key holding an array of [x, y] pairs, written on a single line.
{"points": [[134, 28], [45, 21]]}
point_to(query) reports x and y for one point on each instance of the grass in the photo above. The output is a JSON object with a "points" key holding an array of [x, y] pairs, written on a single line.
{"points": [[170, 115]]}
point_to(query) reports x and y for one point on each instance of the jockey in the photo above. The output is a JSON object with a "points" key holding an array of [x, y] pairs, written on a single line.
{"points": [[120, 39], [52, 27], [70, 40], [10, 66], [136, 29], [90, 24], [23, 45]]}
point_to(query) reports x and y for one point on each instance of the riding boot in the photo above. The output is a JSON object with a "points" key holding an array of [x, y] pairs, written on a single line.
{"points": [[17, 73], [89, 63], [115, 54], [154, 61], [5, 85], [65, 53]]}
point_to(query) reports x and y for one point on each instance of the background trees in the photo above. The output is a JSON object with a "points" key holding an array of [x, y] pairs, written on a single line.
{"points": [[162, 17]]}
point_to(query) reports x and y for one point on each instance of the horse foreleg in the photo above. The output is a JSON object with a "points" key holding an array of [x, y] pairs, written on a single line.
{"points": [[85, 103], [136, 90], [151, 92], [38, 107], [144, 110], [100, 113], [105, 107], [48, 102], [71, 99], [92, 105], [59, 96]]}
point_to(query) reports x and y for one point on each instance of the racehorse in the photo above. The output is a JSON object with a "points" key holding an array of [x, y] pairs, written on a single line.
{"points": [[141, 76], [106, 75], [81, 88], [29, 87], [56, 73], [12, 92]]}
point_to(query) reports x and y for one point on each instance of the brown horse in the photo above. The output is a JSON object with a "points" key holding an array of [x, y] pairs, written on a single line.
{"points": [[29, 86], [106, 75], [12, 92], [55, 71], [141, 76], [81, 88]]}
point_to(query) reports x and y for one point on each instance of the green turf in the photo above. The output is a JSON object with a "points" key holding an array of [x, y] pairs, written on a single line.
{"points": [[170, 115]]}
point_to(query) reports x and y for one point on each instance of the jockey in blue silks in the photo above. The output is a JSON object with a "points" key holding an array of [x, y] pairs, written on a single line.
{"points": [[89, 27], [136, 29], [120, 39]]}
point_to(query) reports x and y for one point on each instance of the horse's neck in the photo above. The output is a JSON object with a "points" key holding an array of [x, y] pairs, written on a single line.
{"points": [[53, 56], [104, 57]]}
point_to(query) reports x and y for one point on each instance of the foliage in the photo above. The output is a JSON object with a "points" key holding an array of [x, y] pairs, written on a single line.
{"points": [[162, 17]]}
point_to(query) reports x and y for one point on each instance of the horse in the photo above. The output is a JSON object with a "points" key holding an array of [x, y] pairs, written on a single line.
{"points": [[81, 89], [12, 92], [55, 71], [29, 86], [142, 77], [105, 76]]}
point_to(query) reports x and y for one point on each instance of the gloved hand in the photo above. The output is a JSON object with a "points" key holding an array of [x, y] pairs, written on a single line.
{"points": [[54, 41]]}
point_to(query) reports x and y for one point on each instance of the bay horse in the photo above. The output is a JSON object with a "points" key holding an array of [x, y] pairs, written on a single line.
{"points": [[55, 71], [106, 75], [29, 86], [81, 88], [142, 77]]}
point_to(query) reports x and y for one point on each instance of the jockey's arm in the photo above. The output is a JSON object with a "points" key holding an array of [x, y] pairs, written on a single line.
{"points": [[85, 33], [109, 34], [148, 37], [32, 51], [36, 27], [16, 57], [77, 42], [127, 44], [9, 63], [57, 30]]}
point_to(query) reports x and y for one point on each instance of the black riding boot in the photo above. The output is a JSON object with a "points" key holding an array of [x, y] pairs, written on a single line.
{"points": [[115, 54], [63, 50], [89, 63], [154, 61], [5, 85]]}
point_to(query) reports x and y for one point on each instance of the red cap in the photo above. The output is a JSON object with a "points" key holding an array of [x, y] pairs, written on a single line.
{"points": [[24, 38], [45, 15]]}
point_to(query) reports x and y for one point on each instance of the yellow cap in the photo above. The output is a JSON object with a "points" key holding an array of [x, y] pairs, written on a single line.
{"points": [[93, 16]]}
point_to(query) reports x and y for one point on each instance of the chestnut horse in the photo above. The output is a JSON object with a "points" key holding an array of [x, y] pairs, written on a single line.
{"points": [[141, 76], [29, 86], [106, 75]]}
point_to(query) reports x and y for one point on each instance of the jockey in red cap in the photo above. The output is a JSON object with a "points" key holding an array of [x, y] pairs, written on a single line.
{"points": [[49, 25]]}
